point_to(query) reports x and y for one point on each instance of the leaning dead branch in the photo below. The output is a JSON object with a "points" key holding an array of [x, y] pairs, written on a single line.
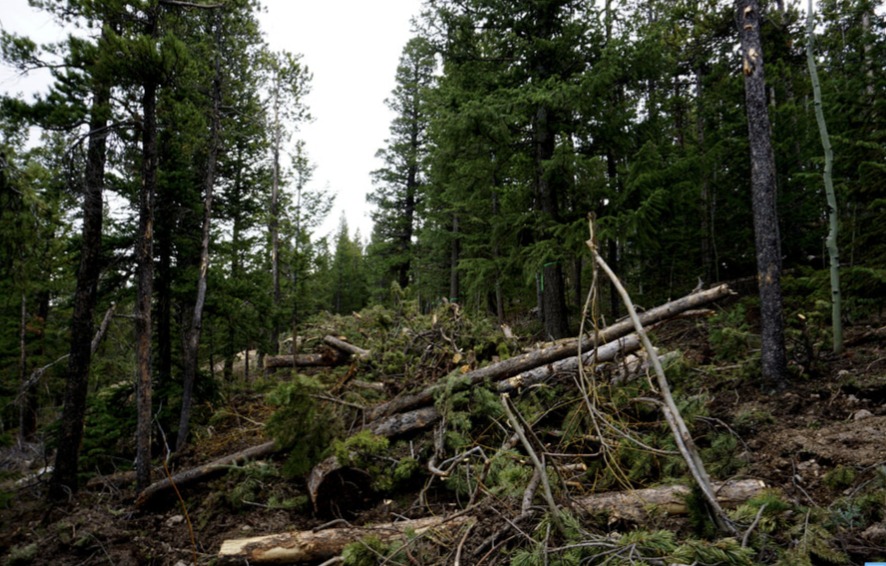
{"points": [[672, 415]]}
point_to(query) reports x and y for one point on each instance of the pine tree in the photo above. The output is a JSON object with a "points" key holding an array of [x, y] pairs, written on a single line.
{"points": [[399, 183]]}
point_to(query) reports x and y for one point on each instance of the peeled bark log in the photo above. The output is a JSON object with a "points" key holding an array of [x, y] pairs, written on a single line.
{"points": [[637, 505], [563, 349], [310, 546], [200, 472]]}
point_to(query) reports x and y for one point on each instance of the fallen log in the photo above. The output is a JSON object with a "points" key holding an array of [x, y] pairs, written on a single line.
{"points": [[347, 347], [200, 472], [639, 504], [326, 357], [559, 351], [311, 546]]}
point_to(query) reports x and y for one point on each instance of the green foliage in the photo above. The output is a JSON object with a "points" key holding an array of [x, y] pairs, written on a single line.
{"points": [[302, 426], [839, 478], [724, 552], [22, 555], [749, 421], [814, 543], [730, 334], [721, 456], [110, 426], [368, 551]]}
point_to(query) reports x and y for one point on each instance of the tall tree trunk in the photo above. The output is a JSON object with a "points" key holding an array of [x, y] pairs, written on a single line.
{"points": [[145, 259], [28, 397], [192, 340], [707, 232], [553, 292], [766, 233], [273, 226], [64, 475], [833, 251]]}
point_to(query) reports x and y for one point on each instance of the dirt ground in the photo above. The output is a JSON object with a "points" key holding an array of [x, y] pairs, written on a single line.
{"points": [[797, 440]]}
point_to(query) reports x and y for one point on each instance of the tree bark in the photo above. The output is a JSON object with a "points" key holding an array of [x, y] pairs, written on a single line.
{"points": [[313, 546], [565, 349], [64, 476], [763, 189], [145, 260]]}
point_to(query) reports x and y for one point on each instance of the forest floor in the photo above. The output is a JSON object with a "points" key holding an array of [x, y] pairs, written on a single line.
{"points": [[819, 444]]}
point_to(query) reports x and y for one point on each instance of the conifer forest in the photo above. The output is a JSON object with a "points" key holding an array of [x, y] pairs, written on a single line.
{"points": [[622, 302]]}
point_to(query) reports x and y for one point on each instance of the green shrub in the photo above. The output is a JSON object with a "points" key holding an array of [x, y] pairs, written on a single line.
{"points": [[302, 425]]}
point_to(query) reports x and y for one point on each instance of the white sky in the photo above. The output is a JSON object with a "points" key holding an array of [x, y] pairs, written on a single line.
{"points": [[352, 47]]}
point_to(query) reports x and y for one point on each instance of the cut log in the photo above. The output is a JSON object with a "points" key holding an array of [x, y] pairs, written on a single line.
{"points": [[203, 471], [324, 358], [347, 347], [638, 505], [310, 546], [561, 350]]}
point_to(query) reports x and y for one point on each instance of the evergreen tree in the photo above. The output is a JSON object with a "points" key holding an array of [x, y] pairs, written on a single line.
{"points": [[399, 183]]}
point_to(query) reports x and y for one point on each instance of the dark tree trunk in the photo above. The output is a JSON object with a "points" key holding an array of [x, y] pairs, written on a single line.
{"points": [[145, 259], [192, 339], [553, 293], [454, 253], [763, 191], [64, 476]]}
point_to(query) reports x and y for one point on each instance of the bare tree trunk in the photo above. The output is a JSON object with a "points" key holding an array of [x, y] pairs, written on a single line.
{"points": [[763, 189], [192, 340], [833, 218], [64, 475]]}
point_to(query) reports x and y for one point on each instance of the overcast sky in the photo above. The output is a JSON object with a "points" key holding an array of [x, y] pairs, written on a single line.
{"points": [[352, 47]]}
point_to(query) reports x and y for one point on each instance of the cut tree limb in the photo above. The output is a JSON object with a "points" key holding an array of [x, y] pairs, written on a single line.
{"points": [[561, 350], [637, 505], [204, 470], [347, 347], [310, 546]]}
